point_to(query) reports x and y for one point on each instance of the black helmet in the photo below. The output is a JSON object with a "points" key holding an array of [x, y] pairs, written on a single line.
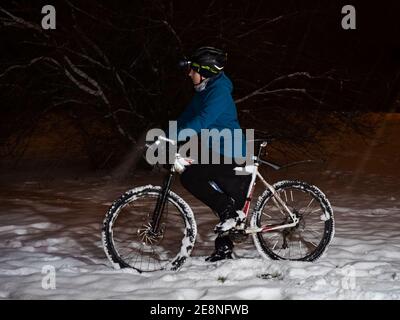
{"points": [[207, 61]]}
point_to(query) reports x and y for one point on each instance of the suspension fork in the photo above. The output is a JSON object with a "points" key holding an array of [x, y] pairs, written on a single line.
{"points": [[162, 199]]}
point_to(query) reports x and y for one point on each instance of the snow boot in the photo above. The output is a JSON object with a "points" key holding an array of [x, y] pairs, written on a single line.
{"points": [[230, 218], [223, 249]]}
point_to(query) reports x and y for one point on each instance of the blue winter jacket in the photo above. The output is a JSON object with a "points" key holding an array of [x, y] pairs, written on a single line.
{"points": [[214, 108]]}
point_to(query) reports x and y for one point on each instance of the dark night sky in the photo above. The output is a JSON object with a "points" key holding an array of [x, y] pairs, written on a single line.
{"points": [[130, 49]]}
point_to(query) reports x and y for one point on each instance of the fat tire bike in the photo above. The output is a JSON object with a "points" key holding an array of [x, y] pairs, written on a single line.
{"points": [[152, 228]]}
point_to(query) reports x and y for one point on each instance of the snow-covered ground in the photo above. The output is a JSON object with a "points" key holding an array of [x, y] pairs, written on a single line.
{"points": [[55, 226], [51, 225]]}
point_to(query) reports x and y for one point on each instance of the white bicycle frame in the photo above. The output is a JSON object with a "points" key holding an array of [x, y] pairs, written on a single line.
{"points": [[253, 170]]}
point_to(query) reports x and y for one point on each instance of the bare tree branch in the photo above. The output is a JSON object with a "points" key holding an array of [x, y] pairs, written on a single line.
{"points": [[172, 30], [127, 96], [264, 90], [99, 92], [23, 66], [260, 26], [21, 22]]}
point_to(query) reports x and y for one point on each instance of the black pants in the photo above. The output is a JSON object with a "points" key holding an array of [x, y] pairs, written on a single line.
{"points": [[196, 179]]}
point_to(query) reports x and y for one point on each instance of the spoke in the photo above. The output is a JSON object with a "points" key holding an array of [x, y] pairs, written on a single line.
{"points": [[152, 255], [300, 246], [291, 243], [278, 206], [139, 256], [301, 241], [309, 204], [312, 211], [159, 263], [139, 252], [315, 245], [148, 263], [153, 258], [313, 230], [267, 215], [272, 236], [128, 258], [308, 246], [311, 241], [155, 253], [315, 223], [129, 252], [157, 259]]}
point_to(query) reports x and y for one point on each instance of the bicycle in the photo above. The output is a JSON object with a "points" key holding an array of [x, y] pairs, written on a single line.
{"points": [[151, 228]]}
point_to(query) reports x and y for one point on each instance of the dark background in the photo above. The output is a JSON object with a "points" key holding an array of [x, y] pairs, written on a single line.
{"points": [[87, 91]]}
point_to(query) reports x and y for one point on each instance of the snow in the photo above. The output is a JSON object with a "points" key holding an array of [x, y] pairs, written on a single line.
{"points": [[55, 224], [58, 224]]}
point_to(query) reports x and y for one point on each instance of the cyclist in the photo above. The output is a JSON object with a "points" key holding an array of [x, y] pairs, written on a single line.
{"points": [[212, 107]]}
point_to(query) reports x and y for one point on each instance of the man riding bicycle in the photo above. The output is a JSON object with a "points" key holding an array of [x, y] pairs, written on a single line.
{"points": [[278, 220], [215, 184]]}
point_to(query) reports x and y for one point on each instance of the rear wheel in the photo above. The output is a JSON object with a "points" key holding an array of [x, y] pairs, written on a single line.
{"points": [[306, 241], [127, 237]]}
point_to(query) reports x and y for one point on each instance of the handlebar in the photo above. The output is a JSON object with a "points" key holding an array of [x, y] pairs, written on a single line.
{"points": [[173, 142], [159, 139]]}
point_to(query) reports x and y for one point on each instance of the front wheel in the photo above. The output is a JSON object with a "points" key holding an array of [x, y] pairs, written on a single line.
{"points": [[306, 241], [128, 239]]}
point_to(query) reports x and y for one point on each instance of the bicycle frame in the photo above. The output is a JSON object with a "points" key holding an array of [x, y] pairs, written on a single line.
{"points": [[253, 169], [167, 229]]}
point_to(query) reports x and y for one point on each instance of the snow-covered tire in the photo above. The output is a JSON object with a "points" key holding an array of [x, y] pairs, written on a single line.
{"points": [[182, 240], [268, 243]]}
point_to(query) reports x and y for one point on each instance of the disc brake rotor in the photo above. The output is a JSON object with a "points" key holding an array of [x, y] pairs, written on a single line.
{"points": [[149, 237]]}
